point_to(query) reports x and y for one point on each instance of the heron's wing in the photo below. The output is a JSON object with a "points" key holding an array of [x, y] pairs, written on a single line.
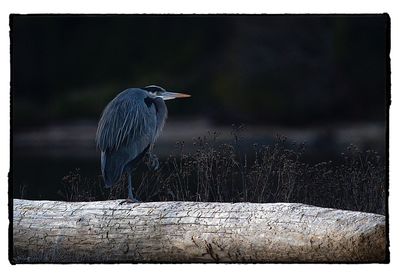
{"points": [[126, 119], [127, 127], [113, 164]]}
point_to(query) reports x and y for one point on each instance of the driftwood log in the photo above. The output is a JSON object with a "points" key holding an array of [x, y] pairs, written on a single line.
{"points": [[105, 231]]}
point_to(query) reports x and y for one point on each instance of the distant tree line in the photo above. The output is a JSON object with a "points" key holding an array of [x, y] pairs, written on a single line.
{"points": [[259, 69]]}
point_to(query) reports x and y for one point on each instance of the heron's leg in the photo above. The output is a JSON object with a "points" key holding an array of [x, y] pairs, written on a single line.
{"points": [[130, 194], [152, 163], [131, 198]]}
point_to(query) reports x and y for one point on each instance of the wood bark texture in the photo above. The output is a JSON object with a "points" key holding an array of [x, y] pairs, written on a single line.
{"points": [[105, 231]]}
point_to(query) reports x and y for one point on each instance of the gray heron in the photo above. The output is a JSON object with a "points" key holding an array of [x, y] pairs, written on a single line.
{"points": [[128, 129]]}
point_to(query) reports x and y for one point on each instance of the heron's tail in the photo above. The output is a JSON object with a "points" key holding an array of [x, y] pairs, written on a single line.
{"points": [[110, 168]]}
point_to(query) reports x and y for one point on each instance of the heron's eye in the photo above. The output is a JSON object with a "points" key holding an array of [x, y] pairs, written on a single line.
{"points": [[156, 93]]}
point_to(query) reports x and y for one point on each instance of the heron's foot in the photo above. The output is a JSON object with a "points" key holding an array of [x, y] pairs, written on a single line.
{"points": [[129, 200], [152, 162]]}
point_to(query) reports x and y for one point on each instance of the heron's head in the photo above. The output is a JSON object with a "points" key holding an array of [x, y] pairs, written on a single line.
{"points": [[157, 91]]}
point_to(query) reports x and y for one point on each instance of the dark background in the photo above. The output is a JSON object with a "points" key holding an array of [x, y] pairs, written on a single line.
{"points": [[322, 79]]}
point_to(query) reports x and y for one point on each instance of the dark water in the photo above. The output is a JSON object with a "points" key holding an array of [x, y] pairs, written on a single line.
{"points": [[38, 176], [41, 161], [41, 177]]}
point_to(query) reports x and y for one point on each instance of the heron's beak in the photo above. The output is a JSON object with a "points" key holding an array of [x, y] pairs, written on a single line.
{"points": [[171, 95]]}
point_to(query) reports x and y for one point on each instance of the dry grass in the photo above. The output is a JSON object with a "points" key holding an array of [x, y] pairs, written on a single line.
{"points": [[272, 173]]}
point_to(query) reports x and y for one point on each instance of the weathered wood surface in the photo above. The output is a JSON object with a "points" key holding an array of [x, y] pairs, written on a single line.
{"points": [[105, 231]]}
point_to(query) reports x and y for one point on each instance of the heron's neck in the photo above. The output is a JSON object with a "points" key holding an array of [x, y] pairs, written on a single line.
{"points": [[161, 112]]}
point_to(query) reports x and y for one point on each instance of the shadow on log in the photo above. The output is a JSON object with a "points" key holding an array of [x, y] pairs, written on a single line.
{"points": [[105, 231]]}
